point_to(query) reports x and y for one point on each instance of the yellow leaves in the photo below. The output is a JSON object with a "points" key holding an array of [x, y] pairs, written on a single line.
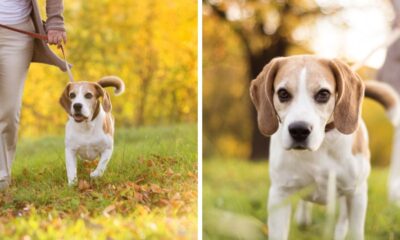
{"points": [[139, 197], [150, 43]]}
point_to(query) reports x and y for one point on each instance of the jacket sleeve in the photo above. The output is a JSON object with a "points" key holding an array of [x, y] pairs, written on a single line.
{"points": [[54, 12]]}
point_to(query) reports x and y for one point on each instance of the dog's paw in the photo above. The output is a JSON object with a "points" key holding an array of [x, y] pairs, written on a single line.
{"points": [[96, 174]]}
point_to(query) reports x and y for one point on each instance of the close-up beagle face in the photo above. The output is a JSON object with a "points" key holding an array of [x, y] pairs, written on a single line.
{"points": [[304, 99], [81, 100], [301, 95]]}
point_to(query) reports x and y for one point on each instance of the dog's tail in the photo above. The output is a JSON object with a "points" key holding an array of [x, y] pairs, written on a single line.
{"points": [[113, 81], [385, 95]]}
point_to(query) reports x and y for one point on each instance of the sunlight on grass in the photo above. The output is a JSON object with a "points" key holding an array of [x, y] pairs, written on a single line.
{"points": [[148, 191]]}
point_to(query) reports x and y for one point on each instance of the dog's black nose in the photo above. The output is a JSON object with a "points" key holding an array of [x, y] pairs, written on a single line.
{"points": [[299, 131], [77, 106]]}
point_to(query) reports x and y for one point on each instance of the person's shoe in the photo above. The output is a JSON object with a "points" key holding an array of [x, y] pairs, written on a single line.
{"points": [[4, 184]]}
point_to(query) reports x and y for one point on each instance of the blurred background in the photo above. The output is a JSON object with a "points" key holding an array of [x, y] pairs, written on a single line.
{"points": [[151, 45], [240, 37]]}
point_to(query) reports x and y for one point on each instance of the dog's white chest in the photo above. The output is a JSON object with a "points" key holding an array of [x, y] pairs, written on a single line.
{"points": [[90, 151], [88, 143], [318, 177], [296, 170]]}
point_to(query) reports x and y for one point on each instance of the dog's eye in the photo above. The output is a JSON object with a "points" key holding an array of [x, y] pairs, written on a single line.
{"points": [[88, 95], [322, 96], [284, 95], [72, 95]]}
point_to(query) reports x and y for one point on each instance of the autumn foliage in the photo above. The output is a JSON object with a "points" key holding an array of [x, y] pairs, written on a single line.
{"points": [[151, 45], [149, 190]]}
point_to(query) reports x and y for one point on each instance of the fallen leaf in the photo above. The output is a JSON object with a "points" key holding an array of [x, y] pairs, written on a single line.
{"points": [[155, 188], [150, 163], [83, 185], [169, 172], [108, 210], [192, 175], [138, 196]]}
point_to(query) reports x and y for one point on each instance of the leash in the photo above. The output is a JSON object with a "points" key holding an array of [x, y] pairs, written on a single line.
{"points": [[71, 78], [43, 38]]}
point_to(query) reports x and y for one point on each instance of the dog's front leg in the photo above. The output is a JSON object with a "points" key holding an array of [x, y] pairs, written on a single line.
{"points": [[102, 165], [70, 162], [357, 207], [303, 214], [342, 224], [278, 214]]}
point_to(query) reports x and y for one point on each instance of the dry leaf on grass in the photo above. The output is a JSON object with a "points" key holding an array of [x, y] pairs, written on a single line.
{"points": [[83, 185], [109, 209]]}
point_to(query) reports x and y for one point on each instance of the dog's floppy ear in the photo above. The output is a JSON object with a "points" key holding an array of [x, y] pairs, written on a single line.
{"points": [[65, 101], [261, 93], [106, 102], [350, 91]]}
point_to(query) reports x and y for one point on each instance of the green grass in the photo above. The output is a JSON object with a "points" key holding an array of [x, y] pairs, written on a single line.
{"points": [[235, 195], [148, 191]]}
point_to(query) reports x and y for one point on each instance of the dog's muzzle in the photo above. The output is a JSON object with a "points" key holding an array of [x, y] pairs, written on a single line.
{"points": [[77, 115], [299, 132]]}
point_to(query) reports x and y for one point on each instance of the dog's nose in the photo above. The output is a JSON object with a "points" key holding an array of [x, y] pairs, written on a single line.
{"points": [[77, 106], [299, 130]]}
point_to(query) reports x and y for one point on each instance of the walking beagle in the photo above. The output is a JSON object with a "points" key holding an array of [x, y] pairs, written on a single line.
{"points": [[311, 107], [89, 131]]}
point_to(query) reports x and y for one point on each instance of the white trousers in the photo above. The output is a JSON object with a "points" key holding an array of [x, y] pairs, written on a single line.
{"points": [[16, 51]]}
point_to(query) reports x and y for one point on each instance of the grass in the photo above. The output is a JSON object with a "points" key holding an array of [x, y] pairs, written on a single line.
{"points": [[149, 190], [235, 195]]}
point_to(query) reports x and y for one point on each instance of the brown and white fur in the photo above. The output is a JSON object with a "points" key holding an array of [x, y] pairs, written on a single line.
{"points": [[311, 107], [89, 132]]}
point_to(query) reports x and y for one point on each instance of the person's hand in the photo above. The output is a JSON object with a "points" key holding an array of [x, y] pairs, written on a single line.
{"points": [[56, 37]]}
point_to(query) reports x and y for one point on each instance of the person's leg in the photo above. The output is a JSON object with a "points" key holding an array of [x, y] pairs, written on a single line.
{"points": [[16, 52]]}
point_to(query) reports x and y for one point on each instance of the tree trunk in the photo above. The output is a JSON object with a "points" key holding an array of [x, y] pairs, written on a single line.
{"points": [[150, 66]]}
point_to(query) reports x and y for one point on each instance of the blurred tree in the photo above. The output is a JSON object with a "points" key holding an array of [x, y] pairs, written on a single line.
{"points": [[265, 29], [147, 71], [151, 45]]}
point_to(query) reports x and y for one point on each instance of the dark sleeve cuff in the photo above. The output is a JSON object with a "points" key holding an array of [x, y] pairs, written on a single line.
{"points": [[54, 12]]}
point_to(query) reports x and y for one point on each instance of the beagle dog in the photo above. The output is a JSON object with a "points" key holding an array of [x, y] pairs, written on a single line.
{"points": [[311, 107], [90, 128]]}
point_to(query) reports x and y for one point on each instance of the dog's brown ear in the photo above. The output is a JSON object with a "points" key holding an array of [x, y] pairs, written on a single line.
{"points": [[261, 93], [350, 91], [65, 101], [106, 102]]}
